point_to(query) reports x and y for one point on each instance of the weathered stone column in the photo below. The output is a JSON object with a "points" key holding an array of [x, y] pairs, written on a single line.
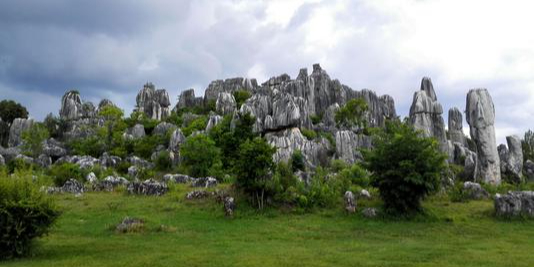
{"points": [[481, 118]]}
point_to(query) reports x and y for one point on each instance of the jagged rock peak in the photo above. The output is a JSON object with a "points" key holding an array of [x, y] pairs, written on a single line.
{"points": [[426, 85], [71, 106], [154, 103], [18, 126], [456, 133], [480, 115], [187, 99]]}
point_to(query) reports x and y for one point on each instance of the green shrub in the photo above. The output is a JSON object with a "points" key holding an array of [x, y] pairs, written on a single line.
{"points": [[197, 124], [252, 168], [309, 134], [352, 113], [60, 173], [405, 167], [92, 146], [199, 155], [298, 161], [316, 118], [355, 175], [25, 213], [241, 96], [33, 139], [163, 161], [19, 164]]}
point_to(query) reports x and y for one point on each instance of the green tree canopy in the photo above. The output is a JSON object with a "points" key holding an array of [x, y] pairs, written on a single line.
{"points": [[405, 167], [199, 155], [528, 146]]}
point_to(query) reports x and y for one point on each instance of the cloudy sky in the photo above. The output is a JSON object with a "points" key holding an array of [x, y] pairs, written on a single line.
{"points": [[109, 49]]}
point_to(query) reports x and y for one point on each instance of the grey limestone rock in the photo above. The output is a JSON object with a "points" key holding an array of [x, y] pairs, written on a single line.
{"points": [[456, 133], [511, 158], [54, 148], [350, 202], [187, 99], [369, 212], [520, 203], [229, 206], [529, 170], [163, 128], [108, 161], [204, 182], [481, 117], [71, 106], [288, 141], [178, 178], [136, 132], [149, 187], [348, 145], [213, 121], [426, 114], [228, 86], [475, 191], [18, 126], [225, 103], [154, 103]]}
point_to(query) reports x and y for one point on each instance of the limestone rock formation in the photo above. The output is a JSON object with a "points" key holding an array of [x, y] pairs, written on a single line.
{"points": [[529, 170], [187, 99], [456, 133], [426, 114], [481, 117], [225, 103], [104, 103], [149, 187], [18, 126], [54, 148], [348, 144], [163, 128], [213, 121], [511, 158], [350, 202], [71, 106], [154, 103], [290, 140], [136, 132], [520, 203], [228, 86], [229, 206], [475, 191]]}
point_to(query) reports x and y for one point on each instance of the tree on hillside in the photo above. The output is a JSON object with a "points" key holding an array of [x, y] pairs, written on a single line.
{"points": [[405, 167], [199, 155], [253, 167], [9, 111], [352, 113], [114, 124]]}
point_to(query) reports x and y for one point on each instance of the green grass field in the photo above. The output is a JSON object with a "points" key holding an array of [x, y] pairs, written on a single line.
{"points": [[196, 233]]}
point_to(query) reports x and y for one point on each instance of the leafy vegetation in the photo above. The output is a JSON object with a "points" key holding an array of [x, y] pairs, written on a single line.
{"points": [[405, 167], [252, 168], [33, 139], [352, 114], [60, 173], [309, 134], [25, 214], [241, 96], [197, 124], [9, 111], [200, 155]]}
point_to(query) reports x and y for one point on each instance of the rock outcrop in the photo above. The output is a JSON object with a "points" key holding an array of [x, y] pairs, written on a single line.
{"points": [[136, 132], [187, 99], [18, 126], [348, 145], [456, 133], [149, 187], [481, 118], [513, 204], [426, 114], [225, 103], [71, 106], [511, 158], [154, 103], [228, 86], [350, 202], [315, 152]]}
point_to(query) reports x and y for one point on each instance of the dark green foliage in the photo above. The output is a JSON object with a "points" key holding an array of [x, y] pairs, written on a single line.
{"points": [[20, 165], [10, 110], [352, 113], [528, 146], [55, 126], [141, 118], [163, 161], [144, 147], [355, 175], [241, 96], [199, 155], [253, 167], [330, 137], [25, 213], [33, 139], [317, 118], [91, 146], [228, 139], [298, 161], [197, 124], [309, 134], [60, 173], [405, 167]]}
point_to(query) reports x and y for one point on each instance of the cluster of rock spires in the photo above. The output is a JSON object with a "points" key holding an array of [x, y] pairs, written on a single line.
{"points": [[282, 108]]}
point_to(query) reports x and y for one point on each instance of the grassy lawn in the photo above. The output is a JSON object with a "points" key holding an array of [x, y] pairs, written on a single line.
{"points": [[198, 234]]}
